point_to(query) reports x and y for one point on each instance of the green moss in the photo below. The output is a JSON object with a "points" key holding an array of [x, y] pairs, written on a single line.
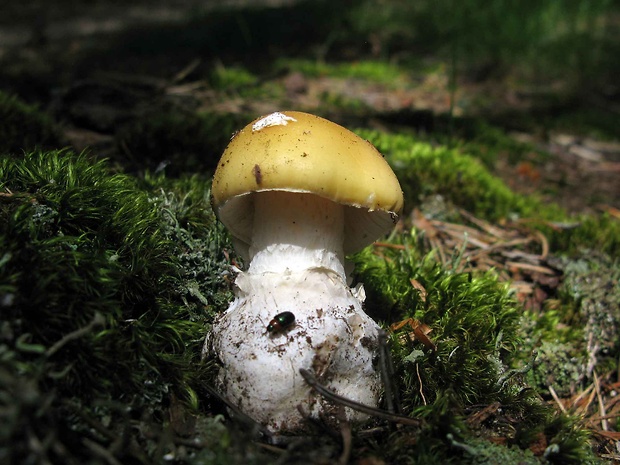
{"points": [[425, 170], [487, 142], [582, 231], [478, 138], [580, 332], [473, 318], [238, 82], [380, 72], [175, 140], [106, 287], [559, 365], [480, 451], [591, 287], [566, 439], [24, 127], [479, 338], [353, 106], [231, 77], [97, 264]]}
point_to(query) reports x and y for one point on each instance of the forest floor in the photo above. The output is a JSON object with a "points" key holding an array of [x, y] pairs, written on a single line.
{"points": [[93, 68]]}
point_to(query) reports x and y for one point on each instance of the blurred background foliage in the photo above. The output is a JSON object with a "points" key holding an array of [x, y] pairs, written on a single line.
{"points": [[542, 40], [574, 40]]}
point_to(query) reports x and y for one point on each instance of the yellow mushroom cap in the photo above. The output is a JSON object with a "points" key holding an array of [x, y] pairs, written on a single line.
{"points": [[298, 152]]}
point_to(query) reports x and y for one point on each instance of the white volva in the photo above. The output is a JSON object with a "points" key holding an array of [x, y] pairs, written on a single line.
{"points": [[296, 265]]}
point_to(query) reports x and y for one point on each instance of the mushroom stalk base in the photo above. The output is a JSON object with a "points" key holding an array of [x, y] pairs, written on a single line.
{"points": [[298, 270]]}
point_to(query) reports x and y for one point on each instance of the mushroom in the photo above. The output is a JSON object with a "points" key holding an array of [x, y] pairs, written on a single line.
{"points": [[298, 193]]}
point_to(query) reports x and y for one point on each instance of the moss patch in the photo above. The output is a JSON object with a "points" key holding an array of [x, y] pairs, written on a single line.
{"points": [[106, 288], [425, 170]]}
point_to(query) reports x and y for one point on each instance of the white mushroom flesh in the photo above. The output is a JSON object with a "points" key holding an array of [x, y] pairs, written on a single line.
{"points": [[296, 265]]}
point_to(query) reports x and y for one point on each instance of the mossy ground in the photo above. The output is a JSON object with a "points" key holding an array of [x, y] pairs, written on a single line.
{"points": [[112, 264]]}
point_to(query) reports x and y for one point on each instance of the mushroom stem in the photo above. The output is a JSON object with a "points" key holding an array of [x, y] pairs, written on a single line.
{"points": [[297, 192], [296, 231], [297, 267]]}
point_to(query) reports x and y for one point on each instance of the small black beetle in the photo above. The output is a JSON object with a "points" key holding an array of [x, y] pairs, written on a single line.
{"points": [[280, 321]]}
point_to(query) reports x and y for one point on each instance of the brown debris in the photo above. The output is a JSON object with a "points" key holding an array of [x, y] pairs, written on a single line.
{"points": [[419, 332], [476, 419], [517, 252]]}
